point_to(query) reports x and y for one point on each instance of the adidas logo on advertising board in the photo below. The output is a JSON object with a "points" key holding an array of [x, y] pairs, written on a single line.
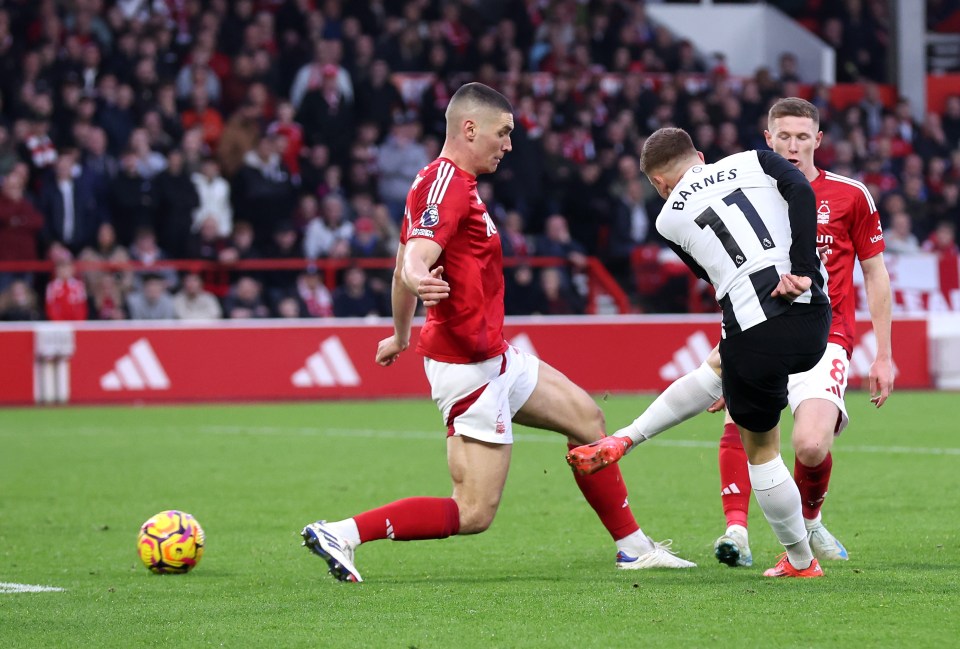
{"points": [[687, 358], [139, 369], [863, 354], [327, 367]]}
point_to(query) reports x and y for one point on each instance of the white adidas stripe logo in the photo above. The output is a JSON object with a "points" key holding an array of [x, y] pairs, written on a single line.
{"points": [[730, 489], [687, 358], [327, 367], [140, 369], [863, 355], [524, 344]]}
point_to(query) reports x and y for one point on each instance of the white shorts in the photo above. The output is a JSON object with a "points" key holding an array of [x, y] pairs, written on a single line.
{"points": [[825, 380], [479, 400]]}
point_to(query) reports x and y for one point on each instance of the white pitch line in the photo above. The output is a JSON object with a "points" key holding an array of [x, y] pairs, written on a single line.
{"points": [[546, 438], [377, 433], [10, 587]]}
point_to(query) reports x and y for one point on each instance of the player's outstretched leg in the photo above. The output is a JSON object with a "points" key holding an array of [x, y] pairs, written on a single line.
{"points": [[331, 548], [590, 458]]}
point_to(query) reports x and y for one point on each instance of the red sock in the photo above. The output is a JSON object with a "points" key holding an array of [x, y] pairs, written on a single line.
{"points": [[607, 494], [812, 481], [410, 519], [734, 477]]}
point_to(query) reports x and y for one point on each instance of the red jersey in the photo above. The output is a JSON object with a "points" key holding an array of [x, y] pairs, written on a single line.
{"points": [[443, 206], [848, 223], [66, 299]]}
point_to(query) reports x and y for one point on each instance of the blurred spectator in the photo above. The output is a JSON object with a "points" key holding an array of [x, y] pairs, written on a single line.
{"points": [[378, 100], [557, 242], [560, 298], [201, 114], [240, 136], [213, 193], [943, 240], [19, 302], [67, 200], [400, 157], [38, 149], [262, 190], [290, 134], [523, 294], [951, 121], [66, 298], [149, 162], [353, 298], [328, 235], [898, 236], [20, 221], [244, 300], [106, 298], [289, 307], [314, 294], [512, 236], [327, 116], [152, 301], [366, 242], [145, 250], [206, 243], [98, 165], [279, 284], [131, 200], [194, 303], [176, 199], [106, 249], [325, 65]]}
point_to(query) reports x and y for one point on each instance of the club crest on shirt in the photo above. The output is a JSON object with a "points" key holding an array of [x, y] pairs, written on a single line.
{"points": [[823, 213], [430, 216]]}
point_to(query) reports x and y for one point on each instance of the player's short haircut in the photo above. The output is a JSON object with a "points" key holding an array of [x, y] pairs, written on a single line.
{"points": [[478, 95], [664, 147], [793, 107]]}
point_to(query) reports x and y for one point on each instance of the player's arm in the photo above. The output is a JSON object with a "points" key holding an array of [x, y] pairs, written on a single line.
{"points": [[412, 278], [404, 305], [801, 209], [876, 281]]}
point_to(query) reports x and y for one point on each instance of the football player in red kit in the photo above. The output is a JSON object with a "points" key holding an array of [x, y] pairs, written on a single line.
{"points": [[451, 258]]}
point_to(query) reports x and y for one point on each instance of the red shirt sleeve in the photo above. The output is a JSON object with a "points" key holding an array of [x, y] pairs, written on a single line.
{"points": [[866, 232], [437, 209]]}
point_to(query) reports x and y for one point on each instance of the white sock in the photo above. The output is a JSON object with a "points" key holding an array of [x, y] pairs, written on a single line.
{"points": [[689, 395], [813, 523], [779, 498], [635, 544], [346, 530]]}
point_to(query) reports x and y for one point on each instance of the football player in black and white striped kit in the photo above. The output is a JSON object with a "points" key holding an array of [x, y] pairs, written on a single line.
{"points": [[747, 224]]}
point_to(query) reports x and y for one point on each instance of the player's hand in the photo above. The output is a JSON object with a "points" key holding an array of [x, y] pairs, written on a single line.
{"points": [[881, 381], [718, 405], [388, 351], [791, 286], [433, 288], [822, 253]]}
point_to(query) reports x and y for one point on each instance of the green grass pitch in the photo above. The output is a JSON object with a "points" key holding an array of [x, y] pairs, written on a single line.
{"points": [[76, 483]]}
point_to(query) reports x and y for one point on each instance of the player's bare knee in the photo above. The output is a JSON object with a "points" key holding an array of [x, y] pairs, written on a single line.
{"points": [[476, 518], [810, 451]]}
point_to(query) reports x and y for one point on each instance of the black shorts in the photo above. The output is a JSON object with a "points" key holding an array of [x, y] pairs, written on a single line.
{"points": [[758, 361]]}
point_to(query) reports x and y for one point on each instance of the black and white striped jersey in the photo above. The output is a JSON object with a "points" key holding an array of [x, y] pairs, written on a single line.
{"points": [[740, 224]]}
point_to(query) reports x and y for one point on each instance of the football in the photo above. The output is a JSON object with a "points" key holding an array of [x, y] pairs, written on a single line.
{"points": [[170, 542]]}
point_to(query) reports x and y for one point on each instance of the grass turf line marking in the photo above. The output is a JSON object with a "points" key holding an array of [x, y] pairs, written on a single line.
{"points": [[545, 437], [375, 433], [7, 588]]}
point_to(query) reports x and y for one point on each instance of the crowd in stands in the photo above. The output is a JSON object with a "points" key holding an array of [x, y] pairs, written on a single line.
{"points": [[216, 130]]}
